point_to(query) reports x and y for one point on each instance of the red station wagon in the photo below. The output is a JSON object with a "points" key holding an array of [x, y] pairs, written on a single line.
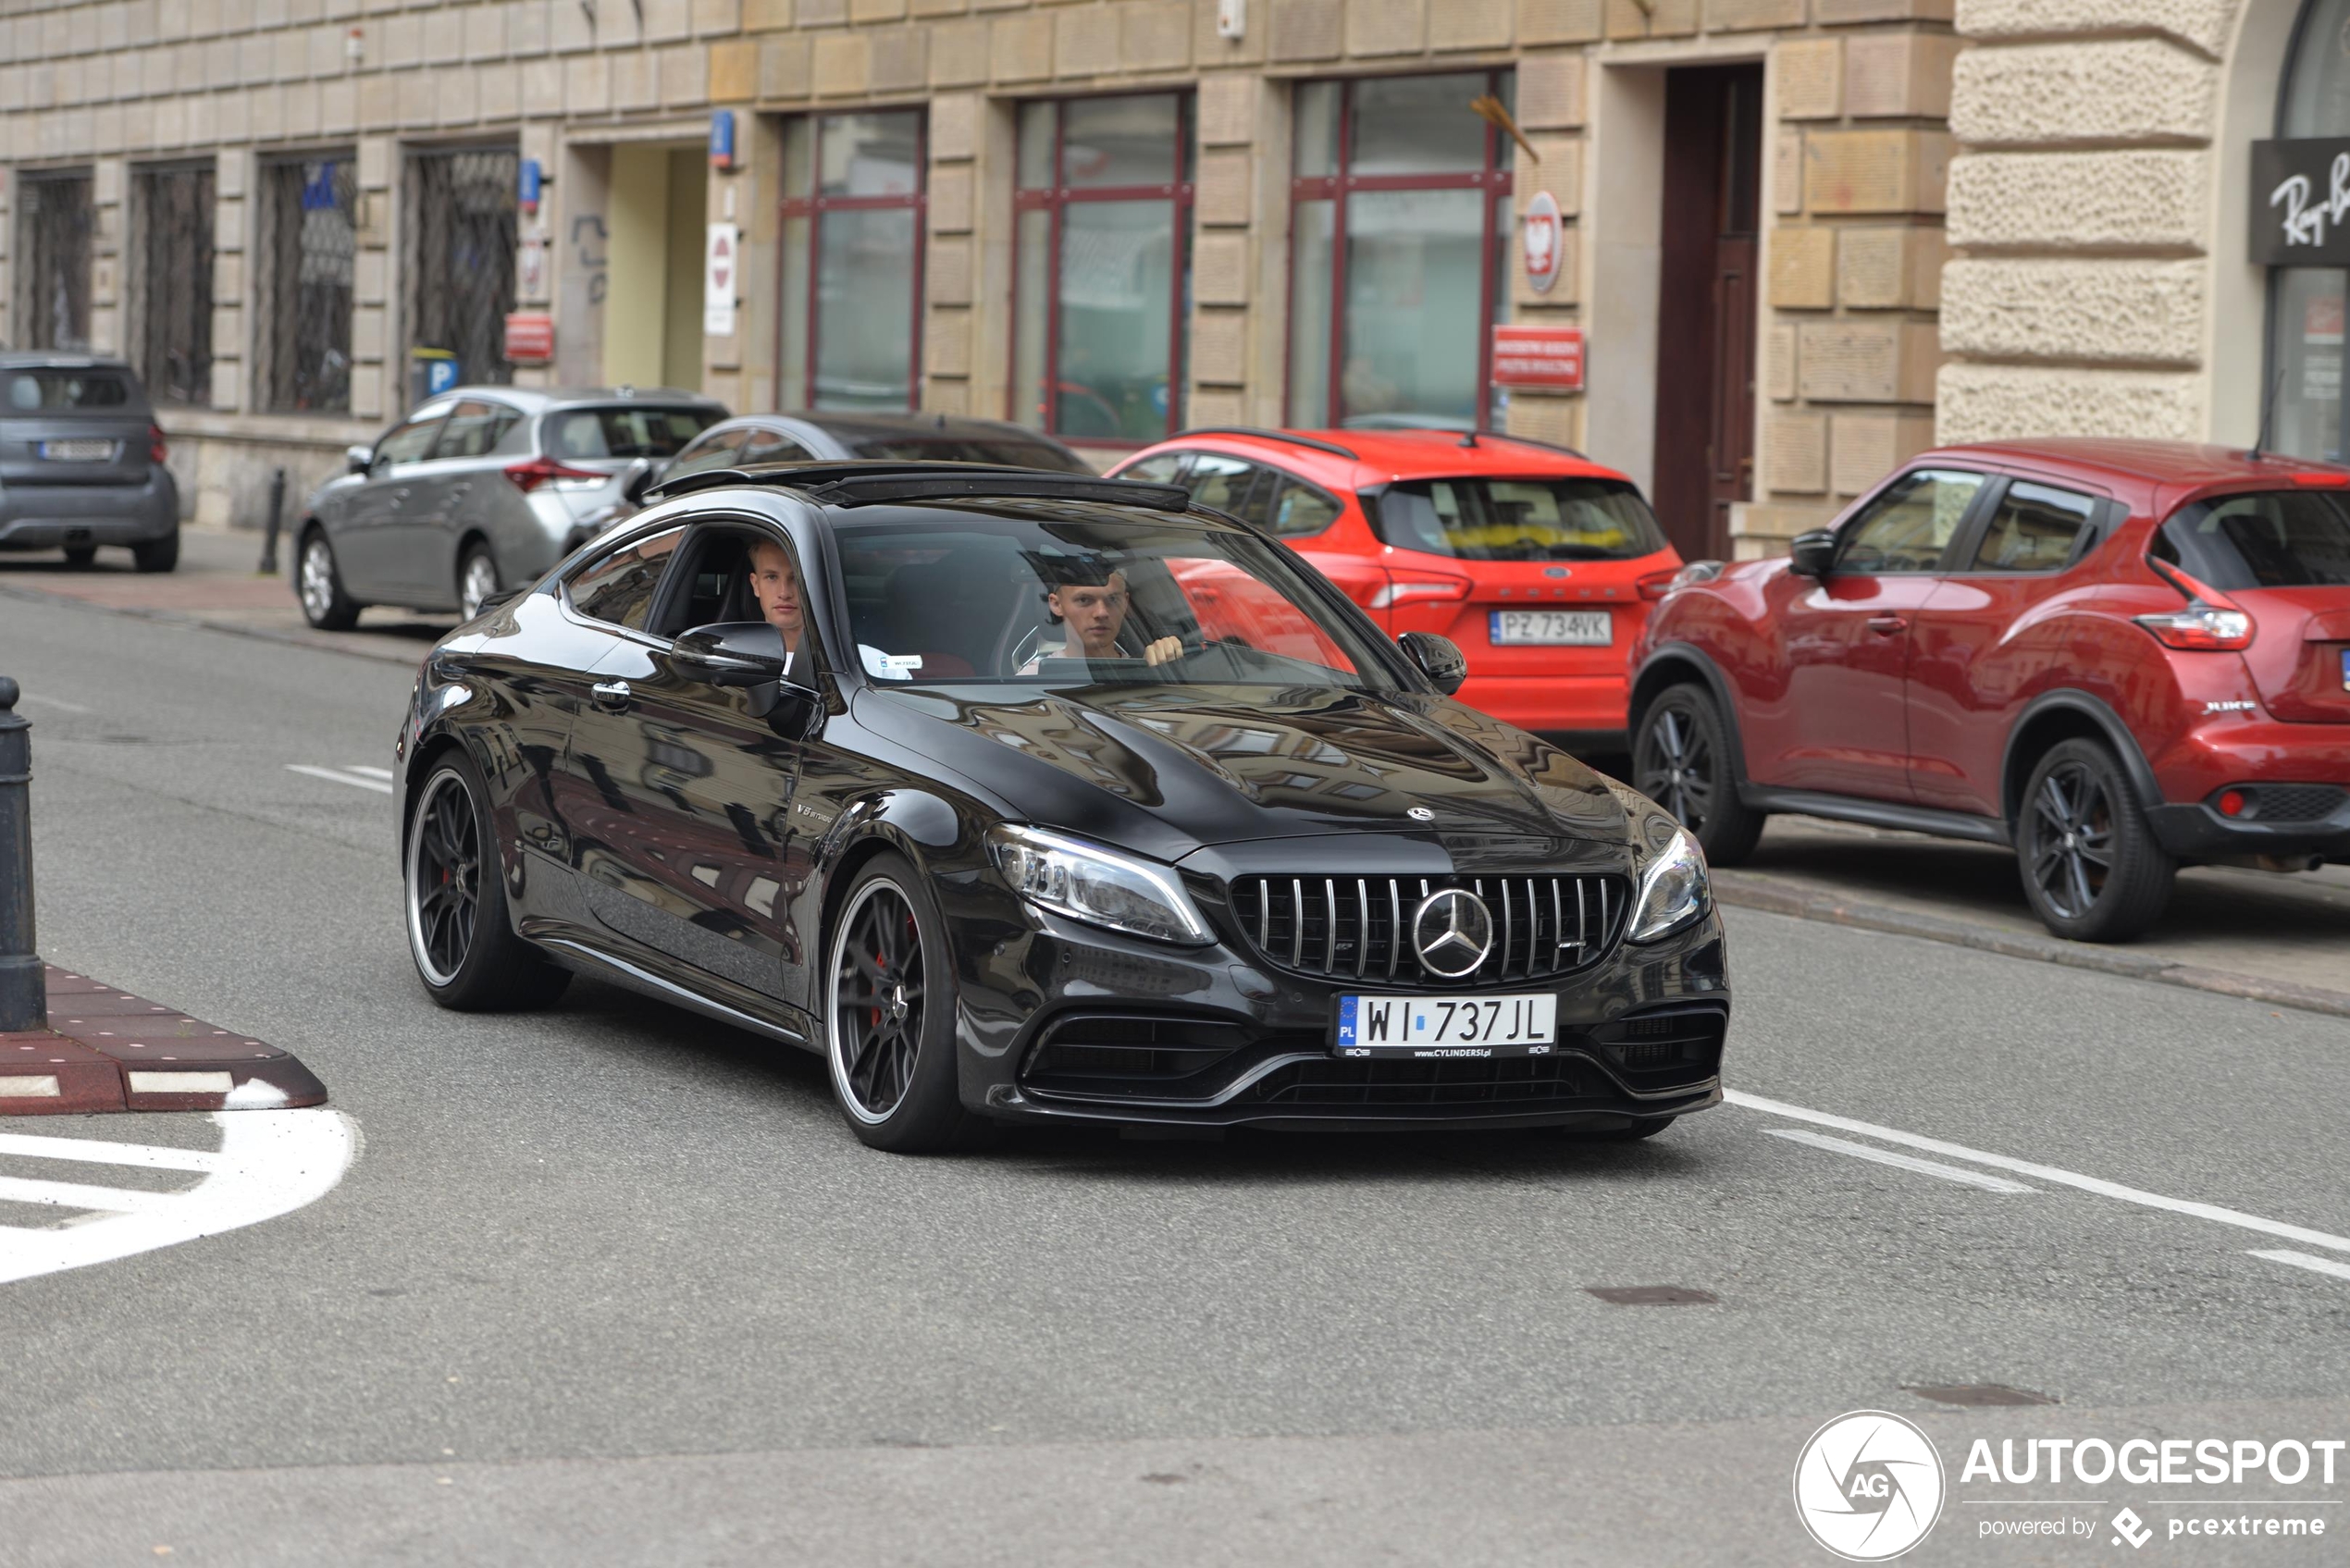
{"points": [[1540, 563], [2117, 657]]}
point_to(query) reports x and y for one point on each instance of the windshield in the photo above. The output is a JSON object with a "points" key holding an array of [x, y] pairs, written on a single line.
{"points": [[1008, 450], [630, 430], [2271, 539], [1517, 519], [1041, 596]]}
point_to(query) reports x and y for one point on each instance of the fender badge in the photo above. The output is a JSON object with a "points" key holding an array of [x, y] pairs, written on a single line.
{"points": [[2230, 705], [1556, 572]]}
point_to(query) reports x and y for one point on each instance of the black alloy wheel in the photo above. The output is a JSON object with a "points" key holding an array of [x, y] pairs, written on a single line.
{"points": [[1681, 760], [455, 902], [890, 1027], [318, 583], [2091, 869]]}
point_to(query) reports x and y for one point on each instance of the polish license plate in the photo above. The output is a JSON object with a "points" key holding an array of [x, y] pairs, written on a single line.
{"points": [[1573, 628], [1432, 1028], [77, 451]]}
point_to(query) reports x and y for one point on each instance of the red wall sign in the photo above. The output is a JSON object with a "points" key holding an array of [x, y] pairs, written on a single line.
{"points": [[531, 338], [1539, 356]]}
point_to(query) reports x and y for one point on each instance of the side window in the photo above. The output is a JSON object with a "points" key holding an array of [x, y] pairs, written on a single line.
{"points": [[472, 429], [411, 441], [1159, 470], [1907, 527], [773, 446], [618, 588], [708, 453], [1227, 483], [1299, 509], [2034, 529]]}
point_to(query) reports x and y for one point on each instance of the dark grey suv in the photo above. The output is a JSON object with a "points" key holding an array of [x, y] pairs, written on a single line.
{"points": [[480, 489], [81, 462]]}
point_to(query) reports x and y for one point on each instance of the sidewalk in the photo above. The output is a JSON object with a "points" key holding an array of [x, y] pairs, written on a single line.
{"points": [[2276, 938], [217, 586]]}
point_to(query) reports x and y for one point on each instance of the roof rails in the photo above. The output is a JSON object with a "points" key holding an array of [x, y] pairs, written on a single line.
{"points": [[867, 484], [1527, 442], [1310, 442]]}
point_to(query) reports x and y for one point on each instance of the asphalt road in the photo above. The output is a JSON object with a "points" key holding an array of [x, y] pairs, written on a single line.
{"points": [[612, 1284]]}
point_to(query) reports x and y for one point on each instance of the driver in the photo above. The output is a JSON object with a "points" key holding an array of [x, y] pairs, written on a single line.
{"points": [[776, 587], [1090, 605]]}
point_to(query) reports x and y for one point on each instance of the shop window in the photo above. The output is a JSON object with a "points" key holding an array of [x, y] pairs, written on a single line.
{"points": [[852, 260], [1400, 233], [306, 241], [2303, 411], [1102, 273], [171, 283], [53, 261], [461, 232]]}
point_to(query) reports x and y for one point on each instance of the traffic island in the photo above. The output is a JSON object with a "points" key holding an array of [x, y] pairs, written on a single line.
{"points": [[107, 1050]]}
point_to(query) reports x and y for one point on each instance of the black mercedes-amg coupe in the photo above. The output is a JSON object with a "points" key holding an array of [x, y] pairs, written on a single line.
{"points": [[1027, 797]]}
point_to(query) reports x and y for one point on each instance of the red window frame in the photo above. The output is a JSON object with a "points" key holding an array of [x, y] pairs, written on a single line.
{"points": [[1496, 180], [1056, 200], [813, 207]]}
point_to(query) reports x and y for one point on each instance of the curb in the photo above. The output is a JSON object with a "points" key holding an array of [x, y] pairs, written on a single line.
{"points": [[107, 1050], [182, 618], [1735, 888]]}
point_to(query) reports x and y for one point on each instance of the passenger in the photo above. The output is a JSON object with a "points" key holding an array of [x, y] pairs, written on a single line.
{"points": [[1090, 605]]}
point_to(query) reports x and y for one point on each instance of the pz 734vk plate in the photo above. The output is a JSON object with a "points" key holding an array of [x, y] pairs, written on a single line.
{"points": [[1432, 1028], [1567, 628]]}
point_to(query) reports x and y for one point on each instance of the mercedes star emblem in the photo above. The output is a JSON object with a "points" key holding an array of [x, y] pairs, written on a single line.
{"points": [[1421, 814], [1452, 931]]}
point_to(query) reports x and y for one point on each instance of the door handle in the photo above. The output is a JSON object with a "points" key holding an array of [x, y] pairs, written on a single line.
{"points": [[1888, 624], [611, 696]]}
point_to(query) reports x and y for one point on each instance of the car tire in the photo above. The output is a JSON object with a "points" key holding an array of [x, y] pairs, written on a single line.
{"points": [[318, 585], [889, 1015], [2091, 869], [157, 555], [453, 900], [1681, 759], [477, 579]]}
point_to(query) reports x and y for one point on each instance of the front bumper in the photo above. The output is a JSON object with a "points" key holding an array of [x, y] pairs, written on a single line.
{"points": [[50, 516], [1131, 1033]]}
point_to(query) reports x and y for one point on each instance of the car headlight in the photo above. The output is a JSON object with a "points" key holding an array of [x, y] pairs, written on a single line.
{"points": [[1096, 885], [1671, 868]]}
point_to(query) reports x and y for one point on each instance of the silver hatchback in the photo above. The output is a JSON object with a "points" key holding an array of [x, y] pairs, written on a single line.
{"points": [[480, 489]]}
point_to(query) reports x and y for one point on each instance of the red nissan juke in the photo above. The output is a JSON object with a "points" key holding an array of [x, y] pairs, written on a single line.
{"points": [[2116, 657], [1540, 563]]}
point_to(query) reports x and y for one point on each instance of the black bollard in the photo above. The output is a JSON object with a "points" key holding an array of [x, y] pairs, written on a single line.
{"points": [[24, 1002], [276, 516]]}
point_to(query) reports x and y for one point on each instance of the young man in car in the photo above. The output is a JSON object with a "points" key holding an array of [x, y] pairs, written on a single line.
{"points": [[1090, 604], [776, 587]]}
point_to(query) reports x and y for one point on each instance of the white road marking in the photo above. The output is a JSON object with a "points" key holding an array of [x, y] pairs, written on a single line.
{"points": [[269, 1163], [2302, 1260], [383, 773], [2048, 1173], [1904, 1162], [57, 702], [356, 782]]}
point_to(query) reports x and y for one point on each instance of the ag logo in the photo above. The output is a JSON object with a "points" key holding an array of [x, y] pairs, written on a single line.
{"points": [[1868, 1486]]}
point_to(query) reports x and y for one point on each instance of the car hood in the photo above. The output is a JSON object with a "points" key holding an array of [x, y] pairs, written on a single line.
{"points": [[1167, 770]]}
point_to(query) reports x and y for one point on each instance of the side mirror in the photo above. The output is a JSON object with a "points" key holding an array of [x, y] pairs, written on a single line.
{"points": [[1438, 658], [1813, 553], [637, 478], [358, 460], [734, 653]]}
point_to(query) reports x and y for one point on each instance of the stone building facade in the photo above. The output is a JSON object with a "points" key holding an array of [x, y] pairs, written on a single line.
{"points": [[284, 210]]}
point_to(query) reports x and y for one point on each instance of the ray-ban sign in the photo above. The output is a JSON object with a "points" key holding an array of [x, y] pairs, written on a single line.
{"points": [[2301, 202]]}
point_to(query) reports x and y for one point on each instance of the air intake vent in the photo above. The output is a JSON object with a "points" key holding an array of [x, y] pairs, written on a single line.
{"points": [[1360, 928]]}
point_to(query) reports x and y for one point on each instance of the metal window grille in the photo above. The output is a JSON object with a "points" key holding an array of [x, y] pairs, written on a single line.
{"points": [[461, 237], [53, 293], [308, 237], [172, 340]]}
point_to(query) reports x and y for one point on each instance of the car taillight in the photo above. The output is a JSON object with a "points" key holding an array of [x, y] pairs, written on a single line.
{"points": [[1419, 590], [2211, 623], [1656, 584], [157, 450], [528, 477]]}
